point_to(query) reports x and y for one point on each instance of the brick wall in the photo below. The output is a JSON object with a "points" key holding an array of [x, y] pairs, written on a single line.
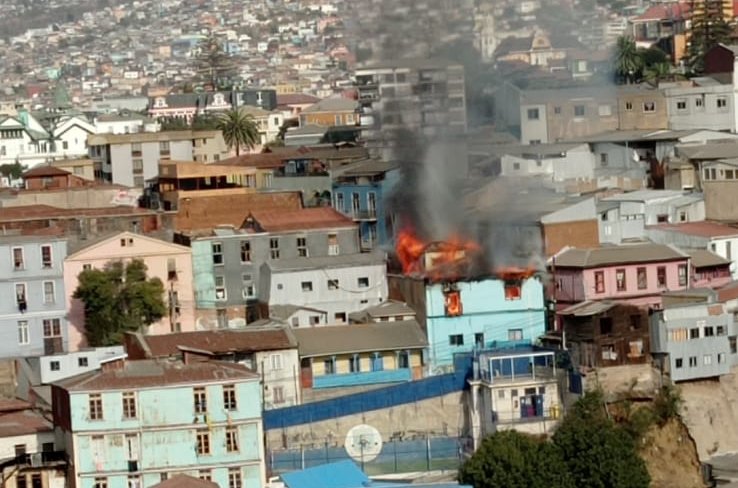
{"points": [[582, 233]]}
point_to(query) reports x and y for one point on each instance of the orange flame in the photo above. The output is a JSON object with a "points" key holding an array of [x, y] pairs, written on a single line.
{"points": [[409, 251], [435, 259], [514, 273]]}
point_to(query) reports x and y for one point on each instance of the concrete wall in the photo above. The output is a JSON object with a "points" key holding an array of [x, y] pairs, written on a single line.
{"points": [[581, 234], [696, 107], [68, 198]]}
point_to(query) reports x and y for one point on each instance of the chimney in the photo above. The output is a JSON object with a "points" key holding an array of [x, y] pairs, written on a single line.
{"points": [[113, 364]]}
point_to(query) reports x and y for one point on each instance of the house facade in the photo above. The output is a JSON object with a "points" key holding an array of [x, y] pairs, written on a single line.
{"points": [[335, 285], [331, 112], [694, 340], [461, 316], [116, 420], [637, 274], [514, 389], [700, 102], [361, 354], [170, 263], [33, 319], [228, 263], [271, 352]]}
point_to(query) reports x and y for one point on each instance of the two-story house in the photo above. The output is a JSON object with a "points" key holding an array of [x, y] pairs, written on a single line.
{"points": [[637, 274], [33, 318], [170, 263], [134, 423], [694, 340], [331, 111], [701, 102], [332, 285], [131, 159], [360, 191], [269, 351], [228, 262]]}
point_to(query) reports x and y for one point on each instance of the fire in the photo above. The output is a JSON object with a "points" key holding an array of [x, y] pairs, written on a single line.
{"points": [[436, 259], [409, 250], [514, 273], [452, 303]]}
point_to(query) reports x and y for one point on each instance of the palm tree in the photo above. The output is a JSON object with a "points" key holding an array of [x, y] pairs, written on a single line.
{"points": [[239, 129], [628, 62], [658, 72]]}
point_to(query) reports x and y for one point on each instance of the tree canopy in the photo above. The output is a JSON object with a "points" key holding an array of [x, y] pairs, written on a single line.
{"points": [[239, 129], [213, 63], [119, 298], [709, 28]]}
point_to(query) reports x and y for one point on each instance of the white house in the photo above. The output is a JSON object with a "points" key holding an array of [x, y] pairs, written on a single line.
{"points": [[559, 162], [70, 137], [338, 285]]}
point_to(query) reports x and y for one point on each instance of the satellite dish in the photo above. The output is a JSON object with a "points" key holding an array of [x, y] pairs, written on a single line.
{"points": [[363, 443]]}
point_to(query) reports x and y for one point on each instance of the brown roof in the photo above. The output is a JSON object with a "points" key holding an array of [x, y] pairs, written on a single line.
{"points": [[185, 481], [700, 229], [43, 171], [13, 404], [301, 219], [155, 373], [702, 258], [295, 99], [23, 422], [260, 160], [612, 255], [217, 341], [34, 212]]}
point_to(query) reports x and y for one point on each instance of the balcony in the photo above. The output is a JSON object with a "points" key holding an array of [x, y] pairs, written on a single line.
{"points": [[36, 460], [367, 378], [357, 214]]}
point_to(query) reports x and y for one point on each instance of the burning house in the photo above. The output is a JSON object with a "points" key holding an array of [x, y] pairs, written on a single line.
{"points": [[461, 302]]}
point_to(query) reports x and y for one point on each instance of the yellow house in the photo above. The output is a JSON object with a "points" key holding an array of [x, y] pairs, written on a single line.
{"points": [[361, 354]]}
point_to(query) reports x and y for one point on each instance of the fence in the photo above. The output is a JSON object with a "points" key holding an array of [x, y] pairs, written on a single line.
{"points": [[391, 396], [419, 453]]}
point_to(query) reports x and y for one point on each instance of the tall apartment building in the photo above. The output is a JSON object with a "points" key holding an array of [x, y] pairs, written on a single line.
{"points": [[425, 95], [131, 159], [32, 312]]}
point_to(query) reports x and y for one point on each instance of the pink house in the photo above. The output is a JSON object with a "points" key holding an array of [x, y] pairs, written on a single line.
{"points": [[171, 263], [708, 269], [637, 274]]}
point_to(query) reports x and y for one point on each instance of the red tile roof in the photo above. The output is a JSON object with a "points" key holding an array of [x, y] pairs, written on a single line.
{"points": [[216, 341], [302, 219], [23, 422], [43, 171], [152, 373], [664, 11], [700, 229]]}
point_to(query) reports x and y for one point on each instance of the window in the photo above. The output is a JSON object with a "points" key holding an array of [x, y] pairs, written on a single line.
{"points": [[138, 181], [377, 362], [693, 361], [620, 279], [355, 364], [604, 159], [694, 333], [18, 261], [163, 476], [100, 483], [681, 104], [54, 366], [217, 253], [403, 360], [129, 405], [229, 397], [628, 106], [314, 319], [220, 289], [278, 394], [635, 322], [307, 286], [245, 251], [515, 334], [578, 110], [516, 166], [707, 359], [46, 256], [533, 114], [401, 77], [363, 282], [333, 284], [733, 347], [302, 250], [86, 267], [605, 325], [599, 282], [661, 276], [709, 331], [682, 275], [456, 340], [234, 478], [274, 248], [722, 330], [164, 147], [203, 442], [604, 110], [649, 107], [231, 439], [642, 278], [52, 328], [678, 363], [95, 406], [479, 339], [49, 292], [205, 474], [698, 102], [23, 338], [20, 295], [333, 248], [138, 165], [201, 400], [329, 366], [276, 361], [722, 102], [339, 317], [721, 358], [82, 362], [136, 149]]}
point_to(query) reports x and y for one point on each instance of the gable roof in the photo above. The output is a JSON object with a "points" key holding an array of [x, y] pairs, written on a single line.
{"points": [[702, 258], [44, 170], [185, 481], [613, 255], [126, 235], [217, 341], [300, 219], [355, 338]]}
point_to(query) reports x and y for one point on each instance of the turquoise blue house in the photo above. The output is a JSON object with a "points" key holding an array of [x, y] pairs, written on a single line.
{"points": [[133, 424], [359, 192], [461, 316]]}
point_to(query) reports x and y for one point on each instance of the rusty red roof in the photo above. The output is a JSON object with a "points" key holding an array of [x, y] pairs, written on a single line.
{"points": [[665, 11], [216, 341], [699, 229], [23, 422], [301, 219], [32, 212], [45, 171]]}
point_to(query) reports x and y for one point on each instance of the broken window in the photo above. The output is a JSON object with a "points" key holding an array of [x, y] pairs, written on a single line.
{"points": [[512, 290], [452, 302], [620, 279]]}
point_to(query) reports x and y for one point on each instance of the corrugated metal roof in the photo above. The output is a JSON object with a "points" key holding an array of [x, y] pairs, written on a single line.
{"points": [[588, 308], [624, 254], [347, 339]]}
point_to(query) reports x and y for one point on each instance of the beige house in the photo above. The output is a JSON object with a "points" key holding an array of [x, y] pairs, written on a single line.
{"points": [[171, 263]]}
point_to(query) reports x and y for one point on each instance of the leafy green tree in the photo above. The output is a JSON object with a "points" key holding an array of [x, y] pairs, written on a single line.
{"points": [[239, 129], [117, 299], [212, 62], [509, 459], [709, 28], [628, 63], [598, 453], [13, 170]]}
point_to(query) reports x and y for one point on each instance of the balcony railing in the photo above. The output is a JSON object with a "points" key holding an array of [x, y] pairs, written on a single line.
{"points": [[39, 459], [363, 214]]}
